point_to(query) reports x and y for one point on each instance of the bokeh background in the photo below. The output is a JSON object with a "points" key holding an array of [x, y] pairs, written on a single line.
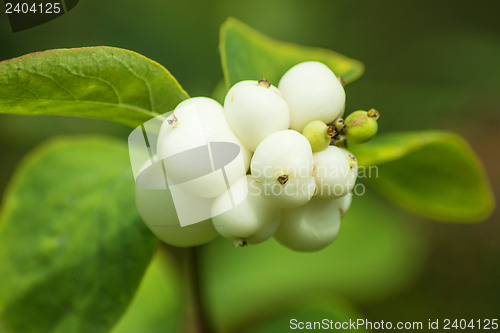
{"points": [[429, 64]]}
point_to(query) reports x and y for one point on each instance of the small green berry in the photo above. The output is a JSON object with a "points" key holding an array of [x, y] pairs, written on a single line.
{"points": [[361, 126], [317, 133], [339, 124]]}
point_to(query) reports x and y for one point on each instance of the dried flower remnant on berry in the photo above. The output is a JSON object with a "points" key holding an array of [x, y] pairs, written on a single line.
{"points": [[341, 80], [352, 160], [331, 131], [283, 179], [264, 83], [172, 120], [372, 113]]}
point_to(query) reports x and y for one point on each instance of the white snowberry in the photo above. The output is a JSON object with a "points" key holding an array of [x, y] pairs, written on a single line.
{"points": [[344, 203], [282, 165], [157, 210], [312, 92], [250, 219], [311, 227], [198, 167], [255, 110], [335, 172]]}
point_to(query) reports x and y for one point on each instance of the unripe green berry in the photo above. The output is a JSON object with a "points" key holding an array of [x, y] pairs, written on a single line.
{"points": [[316, 133], [339, 124], [361, 126]]}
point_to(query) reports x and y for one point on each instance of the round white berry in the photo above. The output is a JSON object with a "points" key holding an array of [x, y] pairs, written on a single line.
{"points": [[311, 227], [312, 92], [255, 111], [157, 210], [335, 172], [282, 165], [201, 153], [344, 203], [243, 215]]}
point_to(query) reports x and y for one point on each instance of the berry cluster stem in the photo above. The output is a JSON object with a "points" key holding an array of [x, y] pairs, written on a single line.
{"points": [[199, 310], [187, 260]]}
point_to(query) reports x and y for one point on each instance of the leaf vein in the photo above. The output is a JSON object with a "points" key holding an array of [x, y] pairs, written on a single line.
{"points": [[117, 94], [151, 101], [124, 105], [53, 80], [22, 87]]}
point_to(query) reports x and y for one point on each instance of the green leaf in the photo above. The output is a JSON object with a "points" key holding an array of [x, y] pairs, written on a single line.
{"points": [[432, 173], [93, 82], [156, 305], [72, 246], [247, 54], [219, 92], [374, 256]]}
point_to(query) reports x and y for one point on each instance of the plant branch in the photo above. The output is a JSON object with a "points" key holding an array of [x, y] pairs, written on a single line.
{"points": [[198, 304], [188, 264]]}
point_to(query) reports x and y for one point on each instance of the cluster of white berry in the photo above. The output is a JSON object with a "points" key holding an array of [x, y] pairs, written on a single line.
{"points": [[293, 177]]}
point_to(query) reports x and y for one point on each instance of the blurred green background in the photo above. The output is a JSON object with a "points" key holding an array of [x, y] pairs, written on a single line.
{"points": [[429, 64]]}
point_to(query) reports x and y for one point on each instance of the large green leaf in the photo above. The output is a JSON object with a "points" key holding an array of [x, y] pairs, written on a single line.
{"points": [[94, 82], [432, 173], [247, 54], [374, 256], [72, 246], [156, 305]]}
